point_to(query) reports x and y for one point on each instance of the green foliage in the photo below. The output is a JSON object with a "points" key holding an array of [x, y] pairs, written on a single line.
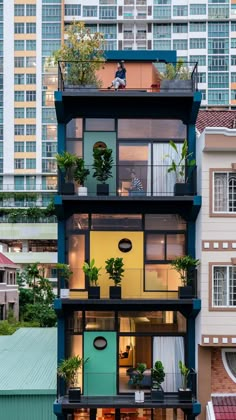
{"points": [[102, 164], [178, 71], [8, 328], [31, 213], [138, 376], [68, 369], [50, 210], [41, 313], [114, 267], [92, 272], [83, 50], [183, 266], [11, 317], [158, 375], [182, 160], [80, 173], [36, 296], [184, 374], [64, 272], [66, 162]]}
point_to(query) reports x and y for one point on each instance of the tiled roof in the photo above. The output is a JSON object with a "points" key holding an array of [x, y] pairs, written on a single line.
{"points": [[4, 261], [216, 118], [224, 407]]}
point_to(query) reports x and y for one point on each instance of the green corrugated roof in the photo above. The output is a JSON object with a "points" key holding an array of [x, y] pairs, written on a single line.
{"points": [[28, 361]]}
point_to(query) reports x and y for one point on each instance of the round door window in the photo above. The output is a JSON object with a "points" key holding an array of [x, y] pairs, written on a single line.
{"points": [[100, 343], [125, 245]]}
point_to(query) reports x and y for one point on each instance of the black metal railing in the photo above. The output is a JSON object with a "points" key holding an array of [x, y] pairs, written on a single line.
{"points": [[150, 181], [169, 77]]}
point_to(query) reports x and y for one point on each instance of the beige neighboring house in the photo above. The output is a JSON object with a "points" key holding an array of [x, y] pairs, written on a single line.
{"points": [[216, 249], [9, 294]]}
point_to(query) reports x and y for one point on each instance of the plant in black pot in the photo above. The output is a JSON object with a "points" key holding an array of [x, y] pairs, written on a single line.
{"points": [[181, 167], [102, 164], [66, 163], [80, 175], [186, 268], [68, 370], [64, 273], [158, 376], [137, 379], [185, 393], [114, 267], [92, 272]]}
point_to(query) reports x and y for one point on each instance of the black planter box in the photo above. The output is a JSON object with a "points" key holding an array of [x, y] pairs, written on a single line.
{"points": [[115, 292], [94, 292], [102, 189], [67, 188], [185, 292], [185, 395], [157, 395], [182, 189], [74, 394]]}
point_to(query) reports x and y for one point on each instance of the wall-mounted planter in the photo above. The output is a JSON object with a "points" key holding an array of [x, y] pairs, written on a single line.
{"points": [[181, 188], [94, 292], [185, 292], [102, 189], [185, 395], [157, 395], [82, 191], [115, 292], [67, 188], [74, 395], [139, 396]]}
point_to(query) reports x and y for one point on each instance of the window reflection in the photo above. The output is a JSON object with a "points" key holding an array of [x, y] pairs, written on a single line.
{"points": [[151, 129], [99, 321]]}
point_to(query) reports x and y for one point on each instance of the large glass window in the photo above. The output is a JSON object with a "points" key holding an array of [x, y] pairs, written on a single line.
{"points": [[224, 199], [99, 321], [164, 221], [76, 258], [99, 124], [224, 286], [151, 129], [116, 222], [164, 246]]}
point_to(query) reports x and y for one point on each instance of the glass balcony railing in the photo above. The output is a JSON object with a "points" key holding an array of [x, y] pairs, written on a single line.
{"points": [[153, 282], [114, 384], [132, 180], [158, 76]]}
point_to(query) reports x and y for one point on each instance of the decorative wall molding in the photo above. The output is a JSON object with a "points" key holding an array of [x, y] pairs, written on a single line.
{"points": [[226, 245], [218, 340]]}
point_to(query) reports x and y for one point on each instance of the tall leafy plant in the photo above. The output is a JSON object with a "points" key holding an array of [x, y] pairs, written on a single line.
{"points": [[176, 71], [158, 375], [139, 375], [184, 265], [66, 162], [64, 271], [184, 374], [80, 172], [68, 370], [92, 272], [182, 160], [102, 164], [114, 267]]}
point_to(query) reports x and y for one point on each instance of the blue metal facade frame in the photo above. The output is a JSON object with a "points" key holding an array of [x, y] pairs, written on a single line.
{"points": [[144, 55]]}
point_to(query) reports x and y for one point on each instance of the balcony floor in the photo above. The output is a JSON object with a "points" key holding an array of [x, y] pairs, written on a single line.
{"points": [[127, 401]]}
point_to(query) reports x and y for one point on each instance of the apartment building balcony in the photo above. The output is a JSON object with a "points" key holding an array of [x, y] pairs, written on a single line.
{"points": [[113, 402]]}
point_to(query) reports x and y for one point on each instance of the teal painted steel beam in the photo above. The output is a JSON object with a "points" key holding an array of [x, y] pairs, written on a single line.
{"points": [[145, 55], [197, 97]]}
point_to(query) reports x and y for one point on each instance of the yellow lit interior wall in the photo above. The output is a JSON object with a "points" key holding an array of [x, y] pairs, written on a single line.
{"points": [[104, 245]]}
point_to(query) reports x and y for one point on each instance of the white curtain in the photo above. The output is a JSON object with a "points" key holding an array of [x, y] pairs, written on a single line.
{"points": [[169, 350], [163, 182]]}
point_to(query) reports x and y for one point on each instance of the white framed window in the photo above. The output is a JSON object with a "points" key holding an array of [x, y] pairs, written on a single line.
{"points": [[223, 286], [229, 362], [224, 192]]}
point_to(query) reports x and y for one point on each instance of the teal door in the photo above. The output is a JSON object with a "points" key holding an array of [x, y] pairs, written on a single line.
{"points": [[100, 371]]}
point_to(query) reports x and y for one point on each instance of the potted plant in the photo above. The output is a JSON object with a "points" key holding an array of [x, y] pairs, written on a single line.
{"points": [[64, 273], [179, 167], [102, 164], [114, 267], [185, 393], [68, 370], [66, 163], [92, 272], [185, 267], [176, 77], [137, 379], [158, 376], [80, 176]]}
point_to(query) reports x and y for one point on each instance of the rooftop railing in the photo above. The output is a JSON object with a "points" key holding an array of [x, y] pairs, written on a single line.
{"points": [[162, 77]]}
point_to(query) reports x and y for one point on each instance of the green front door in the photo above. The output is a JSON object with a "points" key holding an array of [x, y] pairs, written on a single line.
{"points": [[100, 371]]}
